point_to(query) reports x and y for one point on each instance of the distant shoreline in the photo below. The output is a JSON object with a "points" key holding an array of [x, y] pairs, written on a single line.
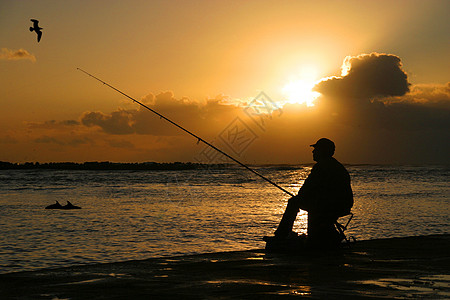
{"points": [[106, 166]]}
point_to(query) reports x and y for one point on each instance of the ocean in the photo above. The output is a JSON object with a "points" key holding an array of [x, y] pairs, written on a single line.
{"points": [[129, 215]]}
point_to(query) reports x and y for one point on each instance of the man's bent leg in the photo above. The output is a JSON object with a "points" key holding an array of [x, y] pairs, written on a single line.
{"points": [[288, 219]]}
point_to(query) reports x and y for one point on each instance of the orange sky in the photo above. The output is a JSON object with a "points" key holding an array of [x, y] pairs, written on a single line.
{"points": [[203, 63]]}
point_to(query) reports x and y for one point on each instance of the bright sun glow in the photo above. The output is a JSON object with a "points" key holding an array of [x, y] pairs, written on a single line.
{"points": [[299, 90]]}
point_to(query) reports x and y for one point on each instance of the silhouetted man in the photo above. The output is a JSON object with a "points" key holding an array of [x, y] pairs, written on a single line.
{"points": [[326, 195]]}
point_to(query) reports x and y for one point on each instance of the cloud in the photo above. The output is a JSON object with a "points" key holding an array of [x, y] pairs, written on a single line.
{"points": [[388, 119], [120, 144], [425, 107], [367, 76], [118, 122], [430, 95], [192, 115], [7, 139], [8, 54], [52, 124], [373, 92], [63, 140], [48, 140]]}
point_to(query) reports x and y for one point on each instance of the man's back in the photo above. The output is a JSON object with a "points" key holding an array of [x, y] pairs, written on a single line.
{"points": [[327, 189]]}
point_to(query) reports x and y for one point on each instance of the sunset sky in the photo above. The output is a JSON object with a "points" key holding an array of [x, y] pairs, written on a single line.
{"points": [[262, 80]]}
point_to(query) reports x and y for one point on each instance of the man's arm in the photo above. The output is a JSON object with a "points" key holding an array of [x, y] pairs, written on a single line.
{"points": [[308, 193]]}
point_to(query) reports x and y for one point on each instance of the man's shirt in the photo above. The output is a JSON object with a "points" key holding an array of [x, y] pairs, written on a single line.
{"points": [[327, 190]]}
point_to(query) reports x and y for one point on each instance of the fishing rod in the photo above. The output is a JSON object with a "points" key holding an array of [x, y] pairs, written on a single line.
{"points": [[199, 139]]}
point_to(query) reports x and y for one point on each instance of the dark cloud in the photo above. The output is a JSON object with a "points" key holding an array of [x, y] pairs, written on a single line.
{"points": [[194, 116], [430, 95], [387, 119], [79, 141], [49, 140], [120, 144], [63, 141], [367, 76], [7, 140], [425, 107], [118, 122], [8, 54], [408, 128], [373, 92], [52, 124]]}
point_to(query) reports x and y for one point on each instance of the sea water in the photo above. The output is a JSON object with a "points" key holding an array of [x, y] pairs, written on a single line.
{"points": [[130, 215]]}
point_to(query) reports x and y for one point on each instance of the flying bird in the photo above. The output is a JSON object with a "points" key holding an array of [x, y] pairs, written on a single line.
{"points": [[36, 28]]}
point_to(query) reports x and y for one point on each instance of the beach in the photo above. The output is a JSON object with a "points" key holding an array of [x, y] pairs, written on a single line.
{"points": [[401, 268]]}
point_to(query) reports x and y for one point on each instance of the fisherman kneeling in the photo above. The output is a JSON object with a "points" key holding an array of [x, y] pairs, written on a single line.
{"points": [[326, 195]]}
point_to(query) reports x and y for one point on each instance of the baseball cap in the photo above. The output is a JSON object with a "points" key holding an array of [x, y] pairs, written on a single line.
{"points": [[324, 144]]}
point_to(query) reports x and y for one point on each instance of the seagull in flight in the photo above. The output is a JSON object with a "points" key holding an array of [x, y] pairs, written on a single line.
{"points": [[36, 28]]}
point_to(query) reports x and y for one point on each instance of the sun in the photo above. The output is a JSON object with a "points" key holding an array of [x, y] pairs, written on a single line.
{"points": [[299, 90]]}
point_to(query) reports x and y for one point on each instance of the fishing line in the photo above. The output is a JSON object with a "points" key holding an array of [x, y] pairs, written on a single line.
{"points": [[199, 139]]}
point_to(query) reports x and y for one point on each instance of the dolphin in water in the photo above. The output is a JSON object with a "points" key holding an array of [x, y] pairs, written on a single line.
{"points": [[59, 206], [36, 28], [54, 206], [70, 206]]}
